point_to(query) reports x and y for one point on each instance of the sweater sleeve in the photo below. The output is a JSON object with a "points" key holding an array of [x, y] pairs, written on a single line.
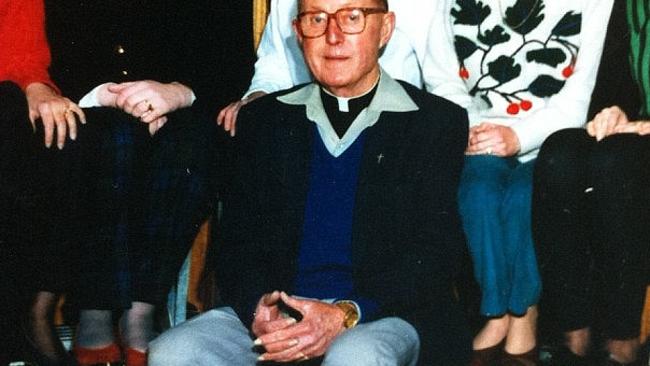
{"points": [[273, 66], [25, 55], [440, 65], [568, 108]]}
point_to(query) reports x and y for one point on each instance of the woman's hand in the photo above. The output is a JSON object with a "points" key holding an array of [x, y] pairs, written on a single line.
{"points": [[57, 113], [228, 116], [607, 122], [638, 127], [492, 139]]}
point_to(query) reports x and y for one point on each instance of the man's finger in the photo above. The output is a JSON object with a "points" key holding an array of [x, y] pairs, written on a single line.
{"points": [[287, 355], [280, 346], [271, 299], [276, 325], [293, 302], [295, 331]]}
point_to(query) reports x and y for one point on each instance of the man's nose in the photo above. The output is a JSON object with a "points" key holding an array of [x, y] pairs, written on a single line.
{"points": [[333, 33]]}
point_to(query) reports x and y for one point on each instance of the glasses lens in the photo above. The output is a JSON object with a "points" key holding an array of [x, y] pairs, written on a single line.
{"points": [[313, 24], [350, 20]]}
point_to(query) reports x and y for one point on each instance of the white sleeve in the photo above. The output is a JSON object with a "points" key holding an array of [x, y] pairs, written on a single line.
{"points": [[91, 100], [569, 107], [440, 65], [272, 68]]}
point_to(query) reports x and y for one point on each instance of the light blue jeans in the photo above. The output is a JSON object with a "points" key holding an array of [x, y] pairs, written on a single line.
{"points": [[218, 338], [495, 204]]}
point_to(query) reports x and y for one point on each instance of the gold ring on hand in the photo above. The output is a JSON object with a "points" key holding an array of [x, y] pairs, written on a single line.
{"points": [[149, 106]]}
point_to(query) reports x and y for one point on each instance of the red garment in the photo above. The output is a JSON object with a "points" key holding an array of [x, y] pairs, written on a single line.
{"points": [[24, 52]]}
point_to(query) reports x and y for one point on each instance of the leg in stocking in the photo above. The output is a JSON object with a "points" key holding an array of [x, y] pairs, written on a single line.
{"points": [[40, 331], [136, 326]]}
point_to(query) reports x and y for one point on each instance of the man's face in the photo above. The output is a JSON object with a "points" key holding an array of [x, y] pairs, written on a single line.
{"points": [[346, 64]]}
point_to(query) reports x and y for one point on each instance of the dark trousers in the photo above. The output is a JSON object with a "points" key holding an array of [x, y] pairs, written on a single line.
{"points": [[147, 198], [117, 207], [591, 210]]}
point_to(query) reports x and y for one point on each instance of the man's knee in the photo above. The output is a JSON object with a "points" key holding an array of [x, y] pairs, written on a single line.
{"points": [[397, 344], [172, 349]]}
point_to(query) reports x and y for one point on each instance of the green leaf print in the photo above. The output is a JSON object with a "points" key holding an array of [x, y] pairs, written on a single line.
{"points": [[504, 69], [547, 56], [545, 86], [464, 47], [471, 12], [569, 25], [494, 36], [525, 15]]}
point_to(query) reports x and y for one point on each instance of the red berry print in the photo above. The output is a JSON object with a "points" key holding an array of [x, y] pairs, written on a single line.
{"points": [[513, 108], [463, 73], [526, 104], [568, 71]]}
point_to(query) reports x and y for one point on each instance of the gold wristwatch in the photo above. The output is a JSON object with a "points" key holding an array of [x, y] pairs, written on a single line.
{"points": [[351, 313]]}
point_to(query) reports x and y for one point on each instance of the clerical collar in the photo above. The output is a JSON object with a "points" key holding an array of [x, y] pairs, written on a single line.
{"points": [[342, 111]]}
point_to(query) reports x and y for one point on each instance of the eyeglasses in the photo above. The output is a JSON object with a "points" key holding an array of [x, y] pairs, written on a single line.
{"points": [[313, 24]]}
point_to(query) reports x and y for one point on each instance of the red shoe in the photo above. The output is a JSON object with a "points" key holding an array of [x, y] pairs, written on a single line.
{"points": [[93, 356], [133, 357]]}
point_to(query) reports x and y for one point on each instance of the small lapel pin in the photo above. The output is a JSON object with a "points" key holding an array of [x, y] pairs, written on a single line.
{"points": [[379, 157]]}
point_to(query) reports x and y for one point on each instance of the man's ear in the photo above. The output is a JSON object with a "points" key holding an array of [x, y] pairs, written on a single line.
{"points": [[387, 28], [294, 25]]}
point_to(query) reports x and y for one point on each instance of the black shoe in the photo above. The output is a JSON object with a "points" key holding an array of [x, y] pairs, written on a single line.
{"points": [[607, 361], [562, 356]]}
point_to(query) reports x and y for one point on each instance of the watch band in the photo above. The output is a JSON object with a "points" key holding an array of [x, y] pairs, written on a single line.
{"points": [[351, 313]]}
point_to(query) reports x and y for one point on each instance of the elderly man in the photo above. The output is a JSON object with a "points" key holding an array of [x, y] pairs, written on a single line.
{"points": [[280, 64], [344, 197]]}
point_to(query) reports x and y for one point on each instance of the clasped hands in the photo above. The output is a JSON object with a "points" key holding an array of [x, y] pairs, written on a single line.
{"points": [[148, 100], [287, 340], [492, 139], [613, 120]]}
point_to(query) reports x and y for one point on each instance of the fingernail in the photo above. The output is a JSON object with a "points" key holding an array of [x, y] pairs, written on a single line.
{"points": [[261, 358], [291, 320], [60, 146], [258, 342], [294, 342]]}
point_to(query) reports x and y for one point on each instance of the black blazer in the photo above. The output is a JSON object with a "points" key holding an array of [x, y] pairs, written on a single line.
{"points": [[204, 44], [407, 237]]}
